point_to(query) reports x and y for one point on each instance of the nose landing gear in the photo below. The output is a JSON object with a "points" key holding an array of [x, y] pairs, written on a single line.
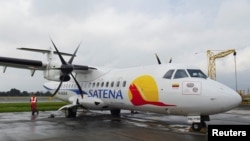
{"points": [[200, 126]]}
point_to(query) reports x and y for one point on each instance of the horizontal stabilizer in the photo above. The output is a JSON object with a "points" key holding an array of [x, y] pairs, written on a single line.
{"points": [[44, 51]]}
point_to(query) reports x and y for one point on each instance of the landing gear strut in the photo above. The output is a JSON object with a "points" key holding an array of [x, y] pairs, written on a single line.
{"points": [[70, 112], [200, 126], [115, 112]]}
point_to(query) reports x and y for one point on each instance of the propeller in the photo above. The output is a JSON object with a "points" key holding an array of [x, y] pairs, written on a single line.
{"points": [[66, 70]]}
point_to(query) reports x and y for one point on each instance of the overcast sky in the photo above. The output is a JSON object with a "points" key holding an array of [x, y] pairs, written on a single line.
{"points": [[125, 33]]}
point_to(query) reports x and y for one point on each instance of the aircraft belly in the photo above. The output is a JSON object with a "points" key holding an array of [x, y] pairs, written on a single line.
{"points": [[93, 103]]}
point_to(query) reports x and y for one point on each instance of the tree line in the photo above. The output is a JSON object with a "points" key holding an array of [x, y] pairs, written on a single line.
{"points": [[16, 92]]}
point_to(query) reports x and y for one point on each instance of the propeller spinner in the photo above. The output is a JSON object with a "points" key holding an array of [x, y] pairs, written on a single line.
{"points": [[66, 70]]}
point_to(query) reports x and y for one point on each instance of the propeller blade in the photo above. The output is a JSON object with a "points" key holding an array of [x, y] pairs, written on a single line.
{"points": [[78, 85], [59, 54], [57, 89], [81, 67], [158, 60], [72, 58]]}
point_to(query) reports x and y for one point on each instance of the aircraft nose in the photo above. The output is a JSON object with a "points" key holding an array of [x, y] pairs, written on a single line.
{"points": [[230, 98]]}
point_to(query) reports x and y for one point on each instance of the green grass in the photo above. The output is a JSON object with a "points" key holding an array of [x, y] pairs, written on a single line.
{"points": [[24, 107]]}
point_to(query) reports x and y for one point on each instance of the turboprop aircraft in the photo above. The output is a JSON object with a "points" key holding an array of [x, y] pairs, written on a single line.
{"points": [[171, 89]]}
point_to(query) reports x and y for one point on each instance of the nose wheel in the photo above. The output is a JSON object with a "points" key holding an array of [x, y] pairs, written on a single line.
{"points": [[200, 126]]}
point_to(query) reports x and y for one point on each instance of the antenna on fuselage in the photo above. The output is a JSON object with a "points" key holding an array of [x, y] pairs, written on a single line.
{"points": [[159, 61], [170, 61]]}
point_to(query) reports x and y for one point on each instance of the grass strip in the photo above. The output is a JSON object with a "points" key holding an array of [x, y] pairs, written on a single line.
{"points": [[25, 107]]}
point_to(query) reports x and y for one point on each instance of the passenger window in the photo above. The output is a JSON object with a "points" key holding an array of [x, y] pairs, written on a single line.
{"points": [[112, 84], [97, 84], [102, 84], [181, 73], [117, 83], [107, 84], [124, 83], [168, 74]]}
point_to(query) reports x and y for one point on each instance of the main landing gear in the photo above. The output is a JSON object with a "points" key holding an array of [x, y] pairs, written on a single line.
{"points": [[200, 126], [70, 112], [115, 112]]}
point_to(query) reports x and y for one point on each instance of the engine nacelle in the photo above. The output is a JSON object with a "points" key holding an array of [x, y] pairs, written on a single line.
{"points": [[53, 73], [65, 78]]}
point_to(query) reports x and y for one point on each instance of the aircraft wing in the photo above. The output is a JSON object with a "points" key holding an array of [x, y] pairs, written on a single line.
{"points": [[34, 64], [22, 63]]}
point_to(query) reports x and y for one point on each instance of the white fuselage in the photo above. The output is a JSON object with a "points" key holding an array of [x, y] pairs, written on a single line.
{"points": [[149, 89]]}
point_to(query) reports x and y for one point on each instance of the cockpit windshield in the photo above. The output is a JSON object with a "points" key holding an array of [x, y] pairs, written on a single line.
{"points": [[196, 73], [168, 74], [181, 73]]}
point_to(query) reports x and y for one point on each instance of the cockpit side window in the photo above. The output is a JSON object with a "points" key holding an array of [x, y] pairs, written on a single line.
{"points": [[168, 74], [180, 73], [196, 73]]}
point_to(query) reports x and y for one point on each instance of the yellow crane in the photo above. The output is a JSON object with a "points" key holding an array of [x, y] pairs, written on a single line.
{"points": [[211, 61]]}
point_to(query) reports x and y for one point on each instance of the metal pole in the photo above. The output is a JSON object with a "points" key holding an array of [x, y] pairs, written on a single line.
{"points": [[236, 87]]}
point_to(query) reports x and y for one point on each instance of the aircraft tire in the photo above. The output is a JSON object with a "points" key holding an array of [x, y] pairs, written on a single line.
{"points": [[70, 112], [196, 126], [115, 112]]}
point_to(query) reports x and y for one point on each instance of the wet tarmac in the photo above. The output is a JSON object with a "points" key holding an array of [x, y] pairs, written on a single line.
{"points": [[100, 125]]}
